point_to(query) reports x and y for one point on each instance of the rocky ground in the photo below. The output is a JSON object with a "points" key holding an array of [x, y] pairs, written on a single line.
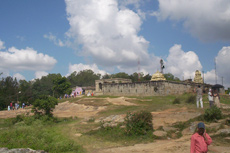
{"points": [[164, 119]]}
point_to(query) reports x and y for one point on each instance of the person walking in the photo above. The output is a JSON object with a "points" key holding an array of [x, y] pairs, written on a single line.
{"points": [[199, 97], [210, 98], [200, 140]]}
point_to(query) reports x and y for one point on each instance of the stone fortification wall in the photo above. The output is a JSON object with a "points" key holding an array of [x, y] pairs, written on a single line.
{"points": [[150, 88]]}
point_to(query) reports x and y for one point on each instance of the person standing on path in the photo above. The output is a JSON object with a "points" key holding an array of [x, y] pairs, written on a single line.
{"points": [[200, 140], [216, 98], [199, 97], [210, 98]]}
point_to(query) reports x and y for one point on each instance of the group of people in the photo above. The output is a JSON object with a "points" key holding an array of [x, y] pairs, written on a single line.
{"points": [[213, 97], [16, 106]]}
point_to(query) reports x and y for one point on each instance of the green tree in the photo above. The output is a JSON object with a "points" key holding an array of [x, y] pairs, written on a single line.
{"points": [[25, 89], [8, 91], [147, 77], [44, 86], [170, 77], [61, 86], [83, 78], [120, 75], [44, 105]]}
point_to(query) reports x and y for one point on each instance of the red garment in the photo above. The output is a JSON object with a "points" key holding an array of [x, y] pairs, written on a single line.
{"points": [[198, 144]]}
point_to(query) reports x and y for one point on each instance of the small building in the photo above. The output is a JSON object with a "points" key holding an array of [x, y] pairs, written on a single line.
{"points": [[77, 91]]}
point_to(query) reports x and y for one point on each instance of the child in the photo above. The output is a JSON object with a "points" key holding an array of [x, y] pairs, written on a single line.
{"points": [[200, 140]]}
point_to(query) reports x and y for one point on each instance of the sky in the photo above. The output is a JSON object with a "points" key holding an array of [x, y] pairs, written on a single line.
{"points": [[39, 37]]}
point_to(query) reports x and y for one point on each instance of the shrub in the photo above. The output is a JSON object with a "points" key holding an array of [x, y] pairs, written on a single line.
{"points": [[213, 113], [44, 106], [176, 101], [191, 99], [138, 123]]}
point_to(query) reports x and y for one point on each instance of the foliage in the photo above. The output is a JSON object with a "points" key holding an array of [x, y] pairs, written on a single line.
{"points": [[8, 91], [61, 86], [191, 99], [44, 86], [38, 136], [83, 78], [170, 77], [176, 101], [213, 113], [138, 123], [44, 106]]}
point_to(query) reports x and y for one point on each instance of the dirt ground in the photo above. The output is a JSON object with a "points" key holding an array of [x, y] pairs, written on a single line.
{"points": [[161, 118]]}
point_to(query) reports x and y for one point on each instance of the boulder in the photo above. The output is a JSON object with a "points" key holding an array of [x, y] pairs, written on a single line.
{"points": [[223, 131], [160, 133]]}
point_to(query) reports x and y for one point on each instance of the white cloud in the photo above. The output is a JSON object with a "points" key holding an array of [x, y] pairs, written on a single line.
{"points": [[205, 19], [54, 39], [107, 33], [2, 45], [182, 64], [25, 59], [81, 67], [223, 65], [40, 74], [18, 76]]}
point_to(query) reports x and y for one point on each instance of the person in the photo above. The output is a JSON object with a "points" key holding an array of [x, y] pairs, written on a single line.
{"points": [[23, 105], [11, 106], [210, 98], [200, 140], [199, 97], [216, 98]]}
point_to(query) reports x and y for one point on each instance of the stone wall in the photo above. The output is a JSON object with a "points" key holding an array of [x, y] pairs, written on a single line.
{"points": [[150, 88]]}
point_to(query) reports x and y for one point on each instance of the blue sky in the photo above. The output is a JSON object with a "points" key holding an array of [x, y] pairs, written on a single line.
{"points": [[109, 36]]}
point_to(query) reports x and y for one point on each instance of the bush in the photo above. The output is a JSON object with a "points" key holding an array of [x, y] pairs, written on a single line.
{"points": [[138, 123], [191, 99], [213, 113], [176, 101], [44, 106]]}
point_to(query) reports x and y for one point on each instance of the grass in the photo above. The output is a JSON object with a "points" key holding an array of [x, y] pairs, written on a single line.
{"points": [[38, 136]]}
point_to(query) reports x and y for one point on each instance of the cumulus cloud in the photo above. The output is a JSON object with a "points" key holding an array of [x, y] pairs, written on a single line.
{"points": [[107, 33], [18, 76], [2, 45], [182, 64], [222, 69], [207, 19], [40, 74], [25, 59], [81, 67]]}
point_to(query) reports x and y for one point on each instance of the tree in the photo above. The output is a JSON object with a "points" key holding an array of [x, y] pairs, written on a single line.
{"points": [[83, 78], [44, 86], [25, 89], [120, 75], [61, 86], [147, 77], [44, 105], [170, 77], [8, 91]]}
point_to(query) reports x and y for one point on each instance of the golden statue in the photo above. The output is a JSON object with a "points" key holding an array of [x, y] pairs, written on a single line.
{"points": [[198, 78], [157, 76]]}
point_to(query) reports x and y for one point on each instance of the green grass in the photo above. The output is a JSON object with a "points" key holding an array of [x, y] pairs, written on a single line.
{"points": [[118, 135], [38, 136]]}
